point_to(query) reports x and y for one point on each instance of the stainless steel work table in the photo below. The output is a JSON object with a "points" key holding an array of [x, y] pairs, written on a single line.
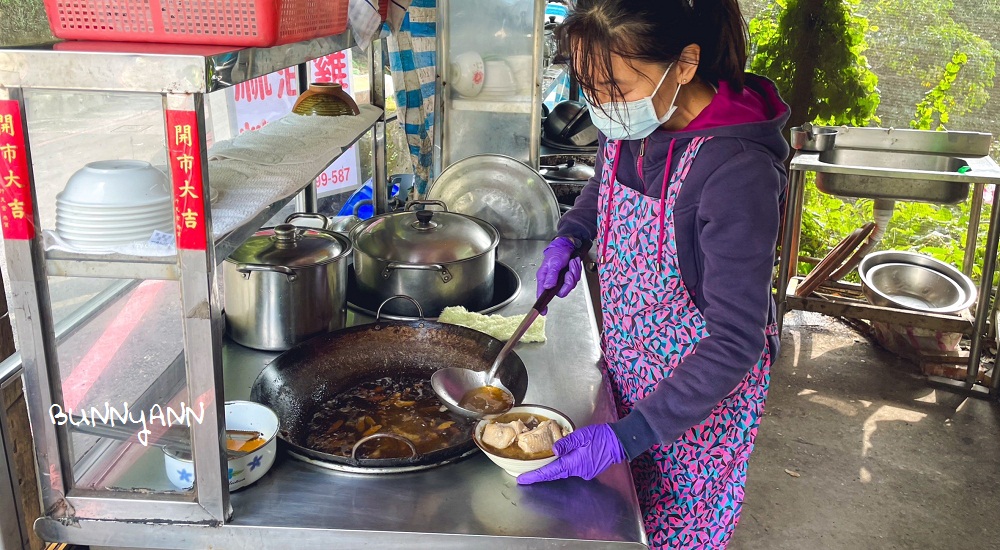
{"points": [[471, 503]]}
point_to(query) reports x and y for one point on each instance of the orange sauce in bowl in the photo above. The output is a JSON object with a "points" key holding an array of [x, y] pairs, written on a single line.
{"points": [[487, 400]]}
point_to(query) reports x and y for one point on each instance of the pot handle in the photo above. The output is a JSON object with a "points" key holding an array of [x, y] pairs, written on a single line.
{"points": [[446, 275], [309, 216], [363, 440], [378, 314], [246, 269], [426, 203]]}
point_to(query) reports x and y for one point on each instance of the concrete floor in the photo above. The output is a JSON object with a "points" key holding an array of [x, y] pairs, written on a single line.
{"points": [[882, 460]]}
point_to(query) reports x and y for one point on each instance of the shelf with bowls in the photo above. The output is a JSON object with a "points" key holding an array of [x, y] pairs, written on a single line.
{"points": [[115, 265], [512, 105]]}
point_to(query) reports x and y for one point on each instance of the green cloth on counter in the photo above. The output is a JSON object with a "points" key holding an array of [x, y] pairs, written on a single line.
{"points": [[497, 326]]}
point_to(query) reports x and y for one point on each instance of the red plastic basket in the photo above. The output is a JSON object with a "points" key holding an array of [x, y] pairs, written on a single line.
{"points": [[216, 22]]}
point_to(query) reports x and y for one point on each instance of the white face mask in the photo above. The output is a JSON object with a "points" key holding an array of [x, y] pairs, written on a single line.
{"points": [[639, 116]]}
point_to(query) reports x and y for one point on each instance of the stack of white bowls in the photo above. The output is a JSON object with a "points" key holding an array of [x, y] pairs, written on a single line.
{"points": [[498, 82], [113, 202]]}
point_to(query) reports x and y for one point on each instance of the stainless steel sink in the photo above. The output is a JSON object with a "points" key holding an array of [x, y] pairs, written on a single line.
{"points": [[910, 165], [905, 187]]}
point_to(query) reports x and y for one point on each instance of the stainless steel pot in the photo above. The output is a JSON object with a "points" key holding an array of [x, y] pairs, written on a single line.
{"points": [[285, 285], [438, 258], [340, 224]]}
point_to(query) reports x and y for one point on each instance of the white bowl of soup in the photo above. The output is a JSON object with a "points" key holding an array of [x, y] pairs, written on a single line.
{"points": [[526, 450], [248, 460]]}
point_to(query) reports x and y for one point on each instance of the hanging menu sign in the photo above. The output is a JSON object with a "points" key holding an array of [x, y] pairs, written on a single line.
{"points": [[184, 149], [16, 212]]}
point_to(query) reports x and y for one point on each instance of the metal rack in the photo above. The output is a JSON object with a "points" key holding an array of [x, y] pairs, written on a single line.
{"points": [[181, 76], [508, 126], [845, 302]]}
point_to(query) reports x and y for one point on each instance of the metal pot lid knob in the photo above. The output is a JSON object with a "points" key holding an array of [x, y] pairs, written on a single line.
{"points": [[424, 221], [286, 235]]}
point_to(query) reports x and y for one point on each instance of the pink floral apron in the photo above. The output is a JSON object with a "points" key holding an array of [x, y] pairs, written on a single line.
{"points": [[690, 491]]}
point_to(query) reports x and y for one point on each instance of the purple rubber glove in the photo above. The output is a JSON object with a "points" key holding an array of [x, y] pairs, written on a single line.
{"points": [[556, 256], [584, 453]]}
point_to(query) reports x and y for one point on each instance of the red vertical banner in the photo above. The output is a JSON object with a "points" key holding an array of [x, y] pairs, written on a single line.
{"points": [[184, 150], [16, 212]]}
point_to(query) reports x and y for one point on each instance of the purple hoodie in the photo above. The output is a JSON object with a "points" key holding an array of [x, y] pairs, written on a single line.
{"points": [[726, 221]]}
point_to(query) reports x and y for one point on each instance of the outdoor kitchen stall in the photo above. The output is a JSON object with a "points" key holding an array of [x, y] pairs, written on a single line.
{"points": [[248, 366], [272, 271]]}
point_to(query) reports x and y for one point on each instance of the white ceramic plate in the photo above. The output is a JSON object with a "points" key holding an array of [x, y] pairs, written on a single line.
{"points": [[97, 222], [112, 215], [106, 240], [154, 206], [112, 225]]}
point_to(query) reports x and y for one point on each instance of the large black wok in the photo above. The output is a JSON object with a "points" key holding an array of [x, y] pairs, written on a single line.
{"points": [[298, 382]]}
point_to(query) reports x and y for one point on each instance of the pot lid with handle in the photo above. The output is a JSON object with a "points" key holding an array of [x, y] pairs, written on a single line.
{"points": [[424, 237], [291, 246], [571, 171]]}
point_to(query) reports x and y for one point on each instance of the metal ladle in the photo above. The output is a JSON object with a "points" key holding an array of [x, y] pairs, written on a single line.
{"points": [[452, 384]]}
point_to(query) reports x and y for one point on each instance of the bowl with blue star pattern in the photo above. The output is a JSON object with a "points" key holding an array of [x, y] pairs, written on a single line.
{"points": [[244, 467]]}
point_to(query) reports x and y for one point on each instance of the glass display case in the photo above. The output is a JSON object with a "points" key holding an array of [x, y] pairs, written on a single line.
{"points": [[115, 293], [489, 88]]}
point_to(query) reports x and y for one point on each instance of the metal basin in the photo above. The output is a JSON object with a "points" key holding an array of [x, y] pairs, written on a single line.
{"points": [[907, 280], [909, 176]]}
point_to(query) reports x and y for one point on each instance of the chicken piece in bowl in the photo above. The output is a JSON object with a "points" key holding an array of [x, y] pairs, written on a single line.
{"points": [[521, 439]]}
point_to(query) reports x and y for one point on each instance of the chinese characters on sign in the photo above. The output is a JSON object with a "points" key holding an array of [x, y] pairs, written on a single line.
{"points": [[16, 213], [184, 148], [333, 68]]}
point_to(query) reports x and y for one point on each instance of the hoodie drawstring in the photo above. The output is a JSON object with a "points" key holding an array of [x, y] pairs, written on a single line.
{"points": [[610, 202], [663, 204], [609, 205]]}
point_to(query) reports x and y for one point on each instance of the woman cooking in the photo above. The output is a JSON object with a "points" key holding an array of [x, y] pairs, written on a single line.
{"points": [[684, 214]]}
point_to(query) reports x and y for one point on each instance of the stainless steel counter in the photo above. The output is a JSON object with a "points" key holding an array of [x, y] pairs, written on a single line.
{"points": [[461, 505]]}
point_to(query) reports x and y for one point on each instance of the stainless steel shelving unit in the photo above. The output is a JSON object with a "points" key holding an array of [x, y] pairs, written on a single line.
{"points": [[181, 76]]}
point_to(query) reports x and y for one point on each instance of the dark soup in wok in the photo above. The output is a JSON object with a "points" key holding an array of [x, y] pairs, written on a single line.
{"points": [[402, 405]]}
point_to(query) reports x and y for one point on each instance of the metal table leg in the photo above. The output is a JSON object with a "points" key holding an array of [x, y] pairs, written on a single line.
{"points": [[983, 307], [789, 244]]}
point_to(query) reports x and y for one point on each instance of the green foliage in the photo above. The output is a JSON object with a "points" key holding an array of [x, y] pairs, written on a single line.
{"points": [[824, 42], [930, 24], [23, 22], [939, 99], [814, 51]]}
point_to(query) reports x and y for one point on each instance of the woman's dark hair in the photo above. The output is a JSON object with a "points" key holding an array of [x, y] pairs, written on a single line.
{"points": [[654, 31]]}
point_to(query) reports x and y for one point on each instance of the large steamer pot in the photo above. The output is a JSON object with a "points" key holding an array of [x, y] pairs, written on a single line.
{"points": [[297, 383], [439, 258], [285, 285]]}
